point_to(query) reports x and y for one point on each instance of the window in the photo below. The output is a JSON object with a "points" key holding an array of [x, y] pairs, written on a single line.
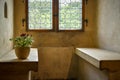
{"points": [[57, 15]]}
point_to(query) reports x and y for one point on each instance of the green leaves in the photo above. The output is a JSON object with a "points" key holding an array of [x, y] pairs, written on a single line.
{"points": [[23, 41]]}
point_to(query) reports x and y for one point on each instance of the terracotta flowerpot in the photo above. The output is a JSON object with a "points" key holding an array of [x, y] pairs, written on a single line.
{"points": [[22, 52]]}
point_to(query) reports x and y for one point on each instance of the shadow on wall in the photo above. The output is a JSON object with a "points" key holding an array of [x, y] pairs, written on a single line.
{"points": [[57, 63]]}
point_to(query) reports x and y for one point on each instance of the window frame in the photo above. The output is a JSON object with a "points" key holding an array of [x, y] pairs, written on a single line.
{"points": [[55, 18]]}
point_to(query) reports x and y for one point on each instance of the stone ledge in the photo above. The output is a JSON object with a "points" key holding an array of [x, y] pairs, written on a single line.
{"points": [[102, 59]]}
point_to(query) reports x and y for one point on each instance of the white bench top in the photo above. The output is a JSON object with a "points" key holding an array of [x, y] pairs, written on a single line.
{"points": [[11, 57], [95, 56]]}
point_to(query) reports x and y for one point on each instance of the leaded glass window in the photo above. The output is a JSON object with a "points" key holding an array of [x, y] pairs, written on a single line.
{"points": [[70, 14], [55, 15], [40, 14]]}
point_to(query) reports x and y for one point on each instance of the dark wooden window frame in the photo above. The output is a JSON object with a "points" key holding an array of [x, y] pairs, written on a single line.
{"points": [[55, 18]]}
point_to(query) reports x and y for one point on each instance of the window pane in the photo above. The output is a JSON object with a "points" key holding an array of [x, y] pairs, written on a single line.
{"points": [[40, 14], [70, 14]]}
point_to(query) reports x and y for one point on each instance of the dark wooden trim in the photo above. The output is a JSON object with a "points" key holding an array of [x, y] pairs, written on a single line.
{"points": [[38, 30], [111, 65], [81, 30], [26, 11], [83, 15], [55, 14]]}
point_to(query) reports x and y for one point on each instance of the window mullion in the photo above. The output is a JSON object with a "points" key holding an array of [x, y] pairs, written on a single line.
{"points": [[55, 14]]}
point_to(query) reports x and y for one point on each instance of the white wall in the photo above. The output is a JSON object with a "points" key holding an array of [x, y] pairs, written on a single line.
{"points": [[108, 24], [89, 72], [6, 27]]}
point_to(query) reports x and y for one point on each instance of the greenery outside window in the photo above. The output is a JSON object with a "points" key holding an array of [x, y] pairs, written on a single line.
{"points": [[55, 15]]}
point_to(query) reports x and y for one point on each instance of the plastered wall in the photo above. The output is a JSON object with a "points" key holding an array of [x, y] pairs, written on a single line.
{"points": [[48, 39], [77, 39], [55, 63], [89, 72], [108, 24], [6, 27], [107, 32]]}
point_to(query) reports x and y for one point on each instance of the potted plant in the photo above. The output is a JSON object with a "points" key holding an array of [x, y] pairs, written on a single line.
{"points": [[22, 45]]}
